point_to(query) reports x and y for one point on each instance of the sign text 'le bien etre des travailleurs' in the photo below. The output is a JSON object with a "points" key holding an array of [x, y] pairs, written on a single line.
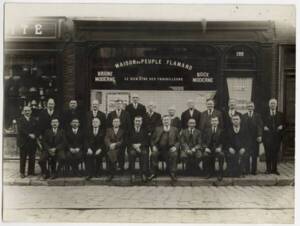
{"points": [[153, 73]]}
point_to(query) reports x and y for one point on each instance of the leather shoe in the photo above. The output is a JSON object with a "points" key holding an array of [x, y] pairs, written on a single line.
{"points": [[22, 175], [276, 172], [109, 178], [88, 178], [132, 179], [208, 176], [173, 177], [144, 178], [151, 177]]}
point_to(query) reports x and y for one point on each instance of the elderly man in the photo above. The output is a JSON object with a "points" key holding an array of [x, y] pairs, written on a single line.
{"points": [[165, 145], [71, 113], [254, 124], [138, 146], [152, 119], [191, 147], [237, 147], [95, 113], [228, 114], [175, 121], [135, 108], [209, 113], [47, 115], [26, 140], [54, 143], [125, 125], [273, 127], [213, 140], [191, 112]]}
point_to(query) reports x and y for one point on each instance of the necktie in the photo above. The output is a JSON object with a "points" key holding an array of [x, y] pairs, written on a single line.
{"points": [[191, 136], [95, 131], [209, 112], [250, 114], [118, 113]]}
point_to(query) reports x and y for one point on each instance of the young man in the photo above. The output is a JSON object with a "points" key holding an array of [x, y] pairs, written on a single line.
{"points": [[254, 124], [191, 147], [165, 144], [114, 141], [175, 121], [54, 143], [95, 113], [27, 141], [135, 108], [213, 140], [95, 149], [191, 112], [75, 144], [237, 146], [273, 124], [125, 125], [208, 114], [138, 146]]}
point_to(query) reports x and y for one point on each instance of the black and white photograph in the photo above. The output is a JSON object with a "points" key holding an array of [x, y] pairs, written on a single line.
{"points": [[148, 112]]}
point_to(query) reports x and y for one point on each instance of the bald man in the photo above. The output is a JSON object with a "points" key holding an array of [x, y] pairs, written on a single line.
{"points": [[95, 113], [135, 108], [273, 127]]}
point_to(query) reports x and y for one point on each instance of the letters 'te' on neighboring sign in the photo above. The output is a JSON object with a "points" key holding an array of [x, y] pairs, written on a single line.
{"points": [[33, 30]]}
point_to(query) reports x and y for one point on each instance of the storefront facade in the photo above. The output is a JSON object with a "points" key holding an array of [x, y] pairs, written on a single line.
{"points": [[169, 62]]}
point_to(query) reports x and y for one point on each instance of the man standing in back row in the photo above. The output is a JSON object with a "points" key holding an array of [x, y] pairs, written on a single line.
{"points": [[191, 112], [135, 108]]}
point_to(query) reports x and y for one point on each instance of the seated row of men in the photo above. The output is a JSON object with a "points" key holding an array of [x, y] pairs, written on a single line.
{"points": [[166, 143]]}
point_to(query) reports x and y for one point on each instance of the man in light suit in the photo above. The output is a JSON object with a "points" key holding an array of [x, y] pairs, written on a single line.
{"points": [[114, 141], [208, 114], [273, 124], [191, 147], [175, 121], [125, 125], [213, 139], [135, 108], [165, 144], [191, 112], [27, 141], [254, 124]]}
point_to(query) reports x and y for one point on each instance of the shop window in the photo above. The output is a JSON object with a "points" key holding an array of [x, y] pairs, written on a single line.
{"points": [[240, 57], [28, 80]]}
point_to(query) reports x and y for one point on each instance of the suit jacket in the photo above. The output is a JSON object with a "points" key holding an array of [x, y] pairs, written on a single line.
{"points": [[273, 135], [45, 120], [237, 140], [227, 119], [152, 122], [140, 110], [124, 118], [138, 137], [100, 115], [254, 125], [185, 116], [211, 140], [69, 115], [175, 122], [111, 137], [24, 129], [74, 140], [187, 142], [174, 139], [206, 119], [95, 142], [58, 141]]}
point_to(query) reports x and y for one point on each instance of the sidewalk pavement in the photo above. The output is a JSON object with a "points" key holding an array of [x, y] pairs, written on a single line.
{"points": [[11, 177]]}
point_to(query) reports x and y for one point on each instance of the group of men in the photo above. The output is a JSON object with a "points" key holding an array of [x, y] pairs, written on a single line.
{"points": [[207, 137]]}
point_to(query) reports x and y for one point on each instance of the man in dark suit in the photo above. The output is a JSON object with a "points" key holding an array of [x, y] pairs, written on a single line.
{"points": [[138, 146], [229, 113], [95, 113], [71, 113], [152, 119], [46, 115], [165, 144], [191, 147], [95, 149], [175, 121], [27, 141], [54, 143], [237, 147], [75, 144], [254, 124], [125, 125], [213, 139], [135, 108], [273, 123], [114, 141], [208, 114], [191, 112]]}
